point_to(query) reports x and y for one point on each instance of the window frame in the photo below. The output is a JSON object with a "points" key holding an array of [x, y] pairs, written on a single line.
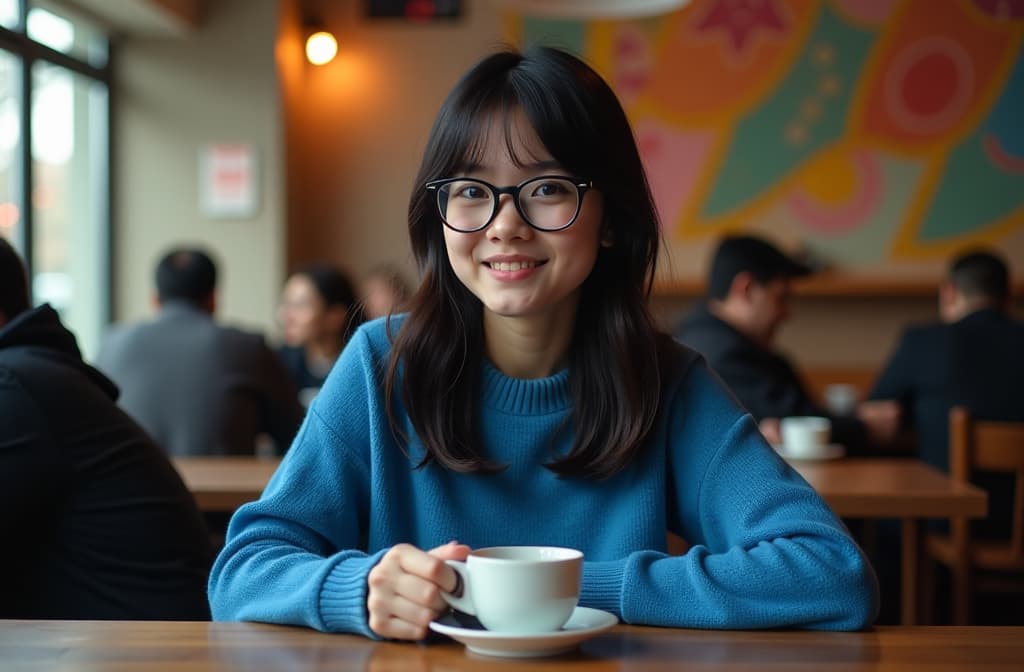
{"points": [[28, 52]]}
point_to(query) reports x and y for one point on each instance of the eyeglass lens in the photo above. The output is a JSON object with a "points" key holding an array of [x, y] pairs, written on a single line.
{"points": [[547, 203]]}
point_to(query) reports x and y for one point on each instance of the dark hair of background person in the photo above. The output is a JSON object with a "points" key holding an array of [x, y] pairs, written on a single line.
{"points": [[981, 274], [749, 254], [614, 354], [14, 298], [335, 289], [186, 274]]}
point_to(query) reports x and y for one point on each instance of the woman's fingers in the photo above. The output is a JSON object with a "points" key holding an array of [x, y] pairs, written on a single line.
{"points": [[404, 589]]}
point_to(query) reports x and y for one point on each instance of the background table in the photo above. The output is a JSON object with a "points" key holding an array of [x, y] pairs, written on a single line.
{"points": [[112, 646]]}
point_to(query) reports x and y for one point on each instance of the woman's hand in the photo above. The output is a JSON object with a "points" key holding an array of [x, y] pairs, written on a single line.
{"points": [[405, 589]]}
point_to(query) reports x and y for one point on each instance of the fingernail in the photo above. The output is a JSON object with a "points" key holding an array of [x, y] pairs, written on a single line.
{"points": [[453, 542]]}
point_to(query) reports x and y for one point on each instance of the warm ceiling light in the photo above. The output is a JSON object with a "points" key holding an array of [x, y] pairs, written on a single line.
{"points": [[321, 47]]}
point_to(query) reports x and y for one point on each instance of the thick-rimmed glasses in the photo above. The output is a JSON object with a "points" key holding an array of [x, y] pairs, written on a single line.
{"points": [[546, 203]]}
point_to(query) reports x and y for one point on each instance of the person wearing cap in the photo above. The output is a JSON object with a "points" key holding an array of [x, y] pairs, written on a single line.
{"points": [[748, 297]]}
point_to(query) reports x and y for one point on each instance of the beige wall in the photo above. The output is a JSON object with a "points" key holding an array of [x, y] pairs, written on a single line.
{"points": [[174, 95]]}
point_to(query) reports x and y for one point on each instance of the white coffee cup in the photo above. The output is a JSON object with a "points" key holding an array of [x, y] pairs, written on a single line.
{"points": [[841, 398], [519, 589], [805, 436]]}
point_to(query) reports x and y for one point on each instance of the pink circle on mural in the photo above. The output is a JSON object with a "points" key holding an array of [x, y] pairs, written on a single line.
{"points": [[928, 86]]}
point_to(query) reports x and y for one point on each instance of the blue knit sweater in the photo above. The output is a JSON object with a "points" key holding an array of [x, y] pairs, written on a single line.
{"points": [[766, 551]]}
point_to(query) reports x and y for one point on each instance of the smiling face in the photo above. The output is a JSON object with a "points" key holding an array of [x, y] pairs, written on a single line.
{"points": [[515, 270]]}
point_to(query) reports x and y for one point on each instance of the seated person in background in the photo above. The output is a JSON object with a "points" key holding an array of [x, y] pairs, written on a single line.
{"points": [[96, 522], [318, 312], [197, 387], [748, 299], [973, 358], [384, 292]]}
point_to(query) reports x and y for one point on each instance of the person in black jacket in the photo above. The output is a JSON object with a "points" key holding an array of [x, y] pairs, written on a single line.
{"points": [[96, 522], [734, 328], [975, 358]]}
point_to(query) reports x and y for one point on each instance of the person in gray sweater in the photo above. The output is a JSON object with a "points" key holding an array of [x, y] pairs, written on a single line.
{"points": [[199, 388]]}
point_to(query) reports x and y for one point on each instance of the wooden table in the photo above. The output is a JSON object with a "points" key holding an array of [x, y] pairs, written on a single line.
{"points": [[225, 483], [147, 646], [906, 489]]}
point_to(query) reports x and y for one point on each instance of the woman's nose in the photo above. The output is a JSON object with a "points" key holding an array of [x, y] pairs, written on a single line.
{"points": [[507, 222]]}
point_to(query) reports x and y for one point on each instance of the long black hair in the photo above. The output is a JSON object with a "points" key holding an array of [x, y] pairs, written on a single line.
{"points": [[436, 359]]}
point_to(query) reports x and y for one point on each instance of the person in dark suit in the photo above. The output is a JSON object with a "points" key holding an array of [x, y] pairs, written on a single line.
{"points": [[748, 299], [973, 357], [197, 387], [96, 522]]}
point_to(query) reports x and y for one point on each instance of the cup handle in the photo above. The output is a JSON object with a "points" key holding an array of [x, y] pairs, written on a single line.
{"points": [[464, 601]]}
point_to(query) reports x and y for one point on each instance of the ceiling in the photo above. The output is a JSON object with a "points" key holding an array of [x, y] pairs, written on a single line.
{"points": [[141, 18]]}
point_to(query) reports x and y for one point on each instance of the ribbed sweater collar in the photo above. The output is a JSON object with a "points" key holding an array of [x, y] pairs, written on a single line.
{"points": [[516, 396]]}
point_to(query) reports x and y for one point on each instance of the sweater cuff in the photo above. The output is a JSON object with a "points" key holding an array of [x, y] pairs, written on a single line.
{"points": [[602, 585], [343, 596]]}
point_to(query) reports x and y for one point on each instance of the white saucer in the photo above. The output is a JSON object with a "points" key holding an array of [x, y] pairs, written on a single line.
{"points": [[583, 624], [830, 452]]}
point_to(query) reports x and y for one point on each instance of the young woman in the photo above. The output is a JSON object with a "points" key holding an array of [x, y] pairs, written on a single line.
{"points": [[319, 310], [527, 398]]}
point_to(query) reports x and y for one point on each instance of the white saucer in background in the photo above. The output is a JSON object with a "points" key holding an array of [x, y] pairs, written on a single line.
{"points": [[583, 624], [830, 452]]}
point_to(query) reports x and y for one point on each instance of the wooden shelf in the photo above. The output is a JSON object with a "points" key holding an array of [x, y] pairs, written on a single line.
{"points": [[837, 285]]}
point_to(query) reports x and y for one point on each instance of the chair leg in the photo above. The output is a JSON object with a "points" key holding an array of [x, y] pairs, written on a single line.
{"points": [[927, 615], [961, 576]]}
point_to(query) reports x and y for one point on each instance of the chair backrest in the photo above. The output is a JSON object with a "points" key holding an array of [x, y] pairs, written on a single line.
{"points": [[992, 446]]}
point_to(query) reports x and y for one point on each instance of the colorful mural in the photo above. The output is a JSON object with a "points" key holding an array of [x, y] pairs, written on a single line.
{"points": [[876, 132]]}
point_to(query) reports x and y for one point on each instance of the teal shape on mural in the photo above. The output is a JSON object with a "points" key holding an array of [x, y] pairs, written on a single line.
{"points": [[1007, 119], [805, 113], [972, 194], [570, 35]]}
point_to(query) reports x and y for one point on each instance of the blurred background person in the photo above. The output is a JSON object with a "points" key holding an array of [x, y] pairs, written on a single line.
{"points": [[748, 299], [197, 387], [97, 521], [319, 310], [973, 357], [384, 291]]}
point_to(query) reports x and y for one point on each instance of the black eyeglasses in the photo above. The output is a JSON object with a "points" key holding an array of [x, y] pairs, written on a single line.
{"points": [[546, 203]]}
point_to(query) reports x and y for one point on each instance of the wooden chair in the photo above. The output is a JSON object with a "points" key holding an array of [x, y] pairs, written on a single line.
{"points": [[992, 446]]}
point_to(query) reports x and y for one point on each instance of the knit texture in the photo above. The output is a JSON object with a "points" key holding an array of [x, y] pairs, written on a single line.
{"points": [[766, 551]]}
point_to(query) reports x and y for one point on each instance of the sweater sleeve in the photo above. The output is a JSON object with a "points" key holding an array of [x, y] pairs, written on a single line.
{"points": [[293, 557], [766, 550]]}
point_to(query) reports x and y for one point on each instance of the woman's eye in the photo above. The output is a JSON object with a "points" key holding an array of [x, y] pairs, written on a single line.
{"points": [[471, 192], [549, 189]]}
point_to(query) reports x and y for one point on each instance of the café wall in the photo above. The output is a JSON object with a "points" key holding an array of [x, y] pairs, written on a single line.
{"points": [[172, 97], [340, 145]]}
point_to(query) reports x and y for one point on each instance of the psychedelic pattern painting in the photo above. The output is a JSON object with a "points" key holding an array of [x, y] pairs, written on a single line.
{"points": [[880, 134]]}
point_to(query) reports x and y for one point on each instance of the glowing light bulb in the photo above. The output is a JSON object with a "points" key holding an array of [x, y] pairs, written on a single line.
{"points": [[321, 47]]}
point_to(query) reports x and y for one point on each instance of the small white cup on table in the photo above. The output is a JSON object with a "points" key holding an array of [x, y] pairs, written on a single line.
{"points": [[805, 436]]}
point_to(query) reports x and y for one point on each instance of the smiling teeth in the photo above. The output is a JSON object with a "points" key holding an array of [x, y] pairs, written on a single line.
{"points": [[513, 265]]}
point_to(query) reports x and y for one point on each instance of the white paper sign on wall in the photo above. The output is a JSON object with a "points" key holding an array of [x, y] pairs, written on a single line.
{"points": [[228, 181]]}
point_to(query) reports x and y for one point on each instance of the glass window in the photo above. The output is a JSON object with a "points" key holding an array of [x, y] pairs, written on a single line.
{"points": [[9, 13], [11, 206], [62, 29], [69, 199]]}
